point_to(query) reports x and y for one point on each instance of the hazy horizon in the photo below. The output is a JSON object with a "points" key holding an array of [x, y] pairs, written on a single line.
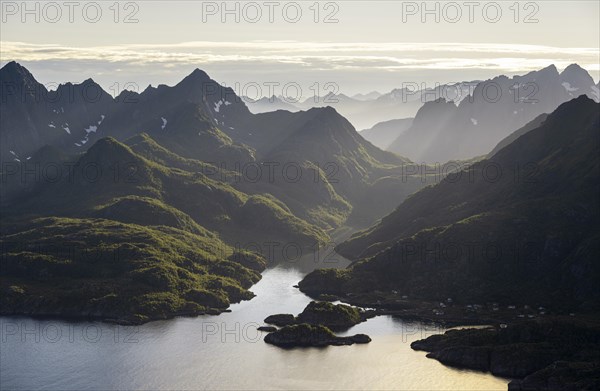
{"points": [[238, 86], [359, 46]]}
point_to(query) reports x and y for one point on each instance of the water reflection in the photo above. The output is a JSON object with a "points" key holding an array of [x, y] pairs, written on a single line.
{"points": [[223, 352]]}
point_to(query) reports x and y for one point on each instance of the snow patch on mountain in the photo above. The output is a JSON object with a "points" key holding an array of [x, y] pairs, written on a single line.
{"points": [[91, 129], [218, 105], [16, 156], [568, 87]]}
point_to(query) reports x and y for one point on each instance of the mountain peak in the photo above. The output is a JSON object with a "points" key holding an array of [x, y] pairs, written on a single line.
{"points": [[13, 72], [197, 75], [194, 79], [325, 112], [569, 106], [577, 77], [550, 67], [89, 80], [547, 73], [13, 65], [550, 72], [87, 83], [572, 68]]}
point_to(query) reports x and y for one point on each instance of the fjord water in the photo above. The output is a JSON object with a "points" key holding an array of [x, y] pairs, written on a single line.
{"points": [[225, 351]]}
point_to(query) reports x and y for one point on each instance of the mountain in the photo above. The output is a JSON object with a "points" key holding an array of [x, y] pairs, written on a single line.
{"points": [[404, 102], [494, 109], [367, 110], [188, 118], [329, 99], [266, 104], [384, 133], [521, 226], [33, 116], [577, 81], [75, 115], [368, 96], [425, 129], [322, 147]]}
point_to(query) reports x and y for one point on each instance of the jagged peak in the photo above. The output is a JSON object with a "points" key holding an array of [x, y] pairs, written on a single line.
{"points": [[575, 73], [12, 65], [148, 89], [87, 82], [549, 70], [15, 72], [196, 76], [573, 67]]}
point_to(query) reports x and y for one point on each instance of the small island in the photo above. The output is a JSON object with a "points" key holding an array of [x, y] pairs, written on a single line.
{"points": [[306, 335], [314, 325], [336, 317]]}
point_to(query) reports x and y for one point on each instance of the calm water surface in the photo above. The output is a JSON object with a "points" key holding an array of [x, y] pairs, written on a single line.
{"points": [[223, 352]]}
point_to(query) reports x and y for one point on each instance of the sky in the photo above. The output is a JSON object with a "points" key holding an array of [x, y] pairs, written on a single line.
{"points": [[282, 47]]}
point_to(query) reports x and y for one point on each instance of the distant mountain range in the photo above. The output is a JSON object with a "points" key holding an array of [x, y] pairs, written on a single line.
{"points": [[364, 111], [481, 113], [443, 130]]}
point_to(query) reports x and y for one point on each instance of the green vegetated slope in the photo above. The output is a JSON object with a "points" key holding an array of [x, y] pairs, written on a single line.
{"points": [[110, 170], [520, 226], [98, 268], [161, 221]]}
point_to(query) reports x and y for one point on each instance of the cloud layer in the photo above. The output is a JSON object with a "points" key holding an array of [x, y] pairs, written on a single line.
{"points": [[262, 61]]}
